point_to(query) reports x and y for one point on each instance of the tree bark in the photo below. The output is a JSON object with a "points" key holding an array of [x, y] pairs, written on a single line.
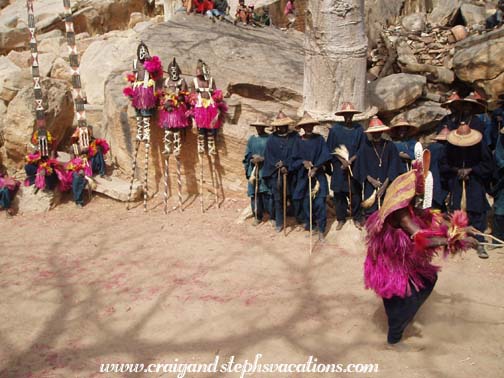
{"points": [[170, 6], [335, 57]]}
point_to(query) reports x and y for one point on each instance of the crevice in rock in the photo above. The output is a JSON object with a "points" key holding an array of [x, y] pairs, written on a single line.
{"points": [[263, 93]]}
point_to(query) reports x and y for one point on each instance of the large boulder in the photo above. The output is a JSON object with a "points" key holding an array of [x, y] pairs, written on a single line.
{"points": [[424, 115], [473, 14], [414, 23], [396, 91], [20, 119], [444, 12], [31, 200], [94, 16], [479, 60], [379, 14], [272, 82], [12, 79]]}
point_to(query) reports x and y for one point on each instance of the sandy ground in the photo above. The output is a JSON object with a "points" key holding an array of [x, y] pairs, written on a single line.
{"points": [[82, 287]]}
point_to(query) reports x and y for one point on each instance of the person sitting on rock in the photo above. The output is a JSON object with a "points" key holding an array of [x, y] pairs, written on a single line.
{"points": [[242, 13], [88, 160], [8, 189], [42, 169], [262, 17], [202, 6], [497, 19], [290, 13], [219, 10]]}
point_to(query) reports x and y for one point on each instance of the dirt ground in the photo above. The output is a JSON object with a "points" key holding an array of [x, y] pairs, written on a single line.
{"points": [[82, 287]]}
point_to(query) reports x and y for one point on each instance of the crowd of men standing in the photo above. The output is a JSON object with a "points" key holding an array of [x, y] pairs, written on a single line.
{"points": [[288, 169]]}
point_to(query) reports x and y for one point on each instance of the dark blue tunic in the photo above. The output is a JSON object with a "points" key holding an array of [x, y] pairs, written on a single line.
{"points": [[278, 148], [352, 138], [312, 149], [368, 163], [408, 147], [256, 145], [477, 157]]}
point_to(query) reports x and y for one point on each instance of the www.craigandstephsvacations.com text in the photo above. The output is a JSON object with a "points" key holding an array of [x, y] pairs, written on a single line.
{"points": [[245, 368]]}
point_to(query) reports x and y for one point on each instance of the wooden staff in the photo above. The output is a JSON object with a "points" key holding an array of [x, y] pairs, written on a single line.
{"points": [[256, 189], [463, 199], [212, 152], [349, 192], [177, 148], [285, 203], [201, 182], [133, 169], [146, 176], [166, 175], [311, 209]]}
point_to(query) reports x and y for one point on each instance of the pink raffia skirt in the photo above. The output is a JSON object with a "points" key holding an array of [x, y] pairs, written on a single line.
{"points": [[176, 119], [143, 98], [207, 118]]}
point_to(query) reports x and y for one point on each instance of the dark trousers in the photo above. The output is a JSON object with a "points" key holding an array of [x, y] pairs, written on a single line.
{"points": [[264, 204], [438, 206], [340, 200], [31, 172], [98, 164], [498, 227], [401, 311], [479, 222], [5, 198], [78, 186], [319, 213]]}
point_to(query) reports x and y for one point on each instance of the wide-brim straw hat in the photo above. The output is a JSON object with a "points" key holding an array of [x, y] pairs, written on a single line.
{"points": [[443, 134], [281, 120], [475, 104], [307, 120], [453, 97], [376, 125], [464, 136], [259, 122], [347, 108]]}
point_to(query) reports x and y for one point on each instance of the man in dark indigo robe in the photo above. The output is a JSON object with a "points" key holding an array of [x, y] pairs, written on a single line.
{"points": [[438, 151], [253, 163], [350, 136], [277, 160], [310, 156], [468, 167], [377, 165], [402, 133]]}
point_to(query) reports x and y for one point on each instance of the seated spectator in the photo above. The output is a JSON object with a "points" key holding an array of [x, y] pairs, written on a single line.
{"points": [[290, 12], [497, 19], [8, 189], [242, 13], [219, 10], [202, 6], [262, 17]]}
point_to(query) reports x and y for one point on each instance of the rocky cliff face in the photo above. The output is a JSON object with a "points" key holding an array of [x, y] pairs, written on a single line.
{"points": [[259, 69]]}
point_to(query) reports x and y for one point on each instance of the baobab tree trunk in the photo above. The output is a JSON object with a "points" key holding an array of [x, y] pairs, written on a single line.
{"points": [[170, 6], [335, 57]]}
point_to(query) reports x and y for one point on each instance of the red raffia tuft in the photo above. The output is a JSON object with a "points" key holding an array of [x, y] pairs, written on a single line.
{"points": [[128, 92], [154, 67], [460, 219], [131, 77]]}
